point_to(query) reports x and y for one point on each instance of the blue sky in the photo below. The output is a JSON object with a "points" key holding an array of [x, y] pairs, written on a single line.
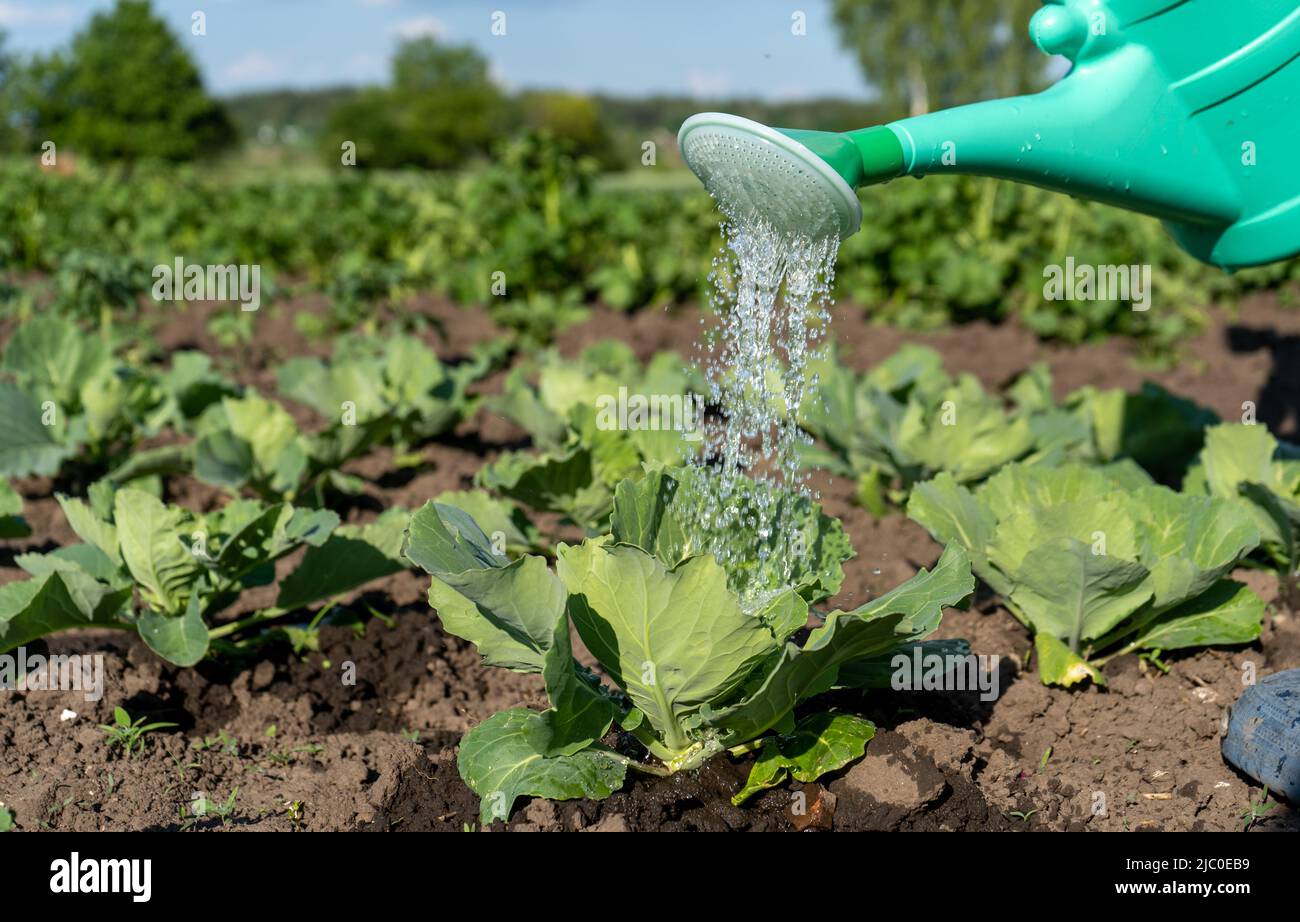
{"points": [[628, 47]]}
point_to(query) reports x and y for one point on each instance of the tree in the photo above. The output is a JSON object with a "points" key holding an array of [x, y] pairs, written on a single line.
{"points": [[15, 100], [10, 112], [941, 53], [127, 90], [441, 109]]}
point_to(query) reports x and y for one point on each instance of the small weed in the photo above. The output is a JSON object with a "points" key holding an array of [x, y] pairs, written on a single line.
{"points": [[128, 734], [1153, 657], [58, 806], [293, 810], [1042, 763], [203, 806], [387, 621], [288, 758], [1023, 817], [182, 768], [1257, 810], [222, 741]]}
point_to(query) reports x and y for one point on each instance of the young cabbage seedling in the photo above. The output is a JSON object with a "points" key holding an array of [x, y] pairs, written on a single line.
{"points": [[702, 659]]}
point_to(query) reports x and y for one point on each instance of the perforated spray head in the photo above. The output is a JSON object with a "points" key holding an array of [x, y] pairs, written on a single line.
{"points": [[754, 171]]}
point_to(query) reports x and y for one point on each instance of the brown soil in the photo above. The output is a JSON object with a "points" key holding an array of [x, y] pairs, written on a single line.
{"points": [[380, 754]]}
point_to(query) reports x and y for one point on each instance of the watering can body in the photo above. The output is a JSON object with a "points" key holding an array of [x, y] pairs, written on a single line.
{"points": [[1188, 110]]}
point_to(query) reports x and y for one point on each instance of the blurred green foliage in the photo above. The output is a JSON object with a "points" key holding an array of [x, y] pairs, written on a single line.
{"points": [[953, 249], [573, 119], [535, 234]]}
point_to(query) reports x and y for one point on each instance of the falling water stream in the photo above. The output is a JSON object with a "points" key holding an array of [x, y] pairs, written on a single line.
{"points": [[771, 294]]}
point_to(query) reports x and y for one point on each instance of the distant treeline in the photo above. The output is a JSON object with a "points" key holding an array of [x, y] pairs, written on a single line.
{"points": [[303, 110], [301, 116], [126, 89]]}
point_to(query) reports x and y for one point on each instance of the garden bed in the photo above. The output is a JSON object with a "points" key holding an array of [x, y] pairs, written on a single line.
{"points": [[381, 755]]}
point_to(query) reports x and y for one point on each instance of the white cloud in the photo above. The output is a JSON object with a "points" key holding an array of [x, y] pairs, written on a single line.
{"points": [[421, 26], [28, 14], [254, 66], [708, 83]]}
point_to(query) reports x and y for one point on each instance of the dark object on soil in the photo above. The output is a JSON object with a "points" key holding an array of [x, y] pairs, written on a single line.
{"points": [[1263, 738]]}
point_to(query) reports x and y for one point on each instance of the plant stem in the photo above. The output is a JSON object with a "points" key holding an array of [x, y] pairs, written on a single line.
{"points": [[657, 770], [746, 747], [646, 738], [266, 614], [1102, 661]]}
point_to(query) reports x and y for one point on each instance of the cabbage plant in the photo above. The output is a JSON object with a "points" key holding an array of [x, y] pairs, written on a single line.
{"points": [[396, 386], [1099, 562], [577, 463], [169, 574], [1244, 464], [66, 399], [907, 419], [696, 657]]}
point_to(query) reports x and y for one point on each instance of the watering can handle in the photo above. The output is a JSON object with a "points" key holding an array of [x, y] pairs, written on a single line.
{"points": [[1185, 111]]}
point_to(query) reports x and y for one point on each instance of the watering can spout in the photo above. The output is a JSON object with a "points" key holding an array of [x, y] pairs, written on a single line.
{"points": [[862, 158], [1184, 111], [1116, 147]]}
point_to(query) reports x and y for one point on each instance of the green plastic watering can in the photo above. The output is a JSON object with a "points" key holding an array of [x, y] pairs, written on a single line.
{"points": [[1188, 110]]}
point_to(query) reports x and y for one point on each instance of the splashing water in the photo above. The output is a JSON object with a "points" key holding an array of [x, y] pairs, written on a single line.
{"points": [[771, 291]]}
